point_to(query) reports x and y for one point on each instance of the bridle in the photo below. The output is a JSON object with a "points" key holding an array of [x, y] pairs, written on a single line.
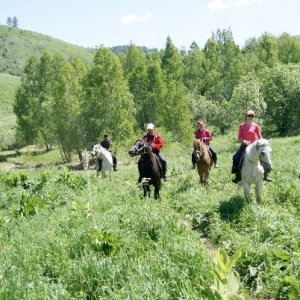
{"points": [[260, 158], [198, 151], [140, 151]]}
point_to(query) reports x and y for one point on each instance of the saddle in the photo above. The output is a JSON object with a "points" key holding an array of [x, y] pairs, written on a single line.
{"points": [[159, 163]]}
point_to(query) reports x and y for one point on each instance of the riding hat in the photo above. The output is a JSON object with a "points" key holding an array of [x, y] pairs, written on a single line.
{"points": [[200, 123], [105, 135], [250, 113], [150, 126]]}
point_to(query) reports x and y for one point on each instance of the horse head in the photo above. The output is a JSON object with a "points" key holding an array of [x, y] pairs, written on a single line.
{"points": [[140, 147], [97, 149], [264, 153], [199, 148]]}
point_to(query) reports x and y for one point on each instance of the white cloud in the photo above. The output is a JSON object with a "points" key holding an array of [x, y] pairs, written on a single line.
{"points": [[223, 4], [134, 18]]}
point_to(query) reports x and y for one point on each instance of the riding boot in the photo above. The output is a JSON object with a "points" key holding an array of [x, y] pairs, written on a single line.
{"points": [[193, 166], [115, 168], [237, 177]]}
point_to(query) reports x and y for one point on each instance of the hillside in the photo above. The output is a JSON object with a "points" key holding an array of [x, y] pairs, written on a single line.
{"points": [[17, 45]]}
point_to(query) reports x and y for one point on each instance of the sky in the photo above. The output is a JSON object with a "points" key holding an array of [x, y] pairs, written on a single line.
{"points": [[91, 23]]}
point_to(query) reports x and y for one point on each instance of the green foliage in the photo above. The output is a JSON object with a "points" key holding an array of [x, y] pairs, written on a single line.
{"points": [[281, 91], [107, 99], [8, 87], [73, 181], [247, 95], [226, 279], [29, 205]]}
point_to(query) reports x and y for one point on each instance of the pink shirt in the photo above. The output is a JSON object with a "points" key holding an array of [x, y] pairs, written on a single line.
{"points": [[204, 134], [249, 133]]}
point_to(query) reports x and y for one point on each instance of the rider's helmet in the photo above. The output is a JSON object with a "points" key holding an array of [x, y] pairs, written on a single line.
{"points": [[105, 135], [150, 126]]}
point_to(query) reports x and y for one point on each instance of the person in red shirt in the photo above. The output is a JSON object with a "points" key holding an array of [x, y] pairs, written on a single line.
{"points": [[156, 142], [204, 134], [249, 132]]}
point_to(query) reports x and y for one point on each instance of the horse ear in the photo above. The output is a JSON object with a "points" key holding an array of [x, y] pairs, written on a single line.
{"points": [[269, 141]]}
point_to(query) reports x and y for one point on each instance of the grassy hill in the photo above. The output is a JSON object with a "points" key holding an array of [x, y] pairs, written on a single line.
{"points": [[8, 86], [17, 45]]}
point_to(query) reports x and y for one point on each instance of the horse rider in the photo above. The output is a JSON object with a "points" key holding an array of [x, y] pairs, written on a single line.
{"points": [[249, 132], [107, 144], [205, 135], [156, 143]]}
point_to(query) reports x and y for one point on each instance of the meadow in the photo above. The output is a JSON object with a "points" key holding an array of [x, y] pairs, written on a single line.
{"points": [[66, 234]]}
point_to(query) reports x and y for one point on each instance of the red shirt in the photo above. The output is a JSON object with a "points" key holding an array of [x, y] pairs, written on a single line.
{"points": [[249, 133], [155, 141], [204, 135]]}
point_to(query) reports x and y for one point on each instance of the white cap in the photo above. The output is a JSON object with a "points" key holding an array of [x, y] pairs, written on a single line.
{"points": [[150, 126]]}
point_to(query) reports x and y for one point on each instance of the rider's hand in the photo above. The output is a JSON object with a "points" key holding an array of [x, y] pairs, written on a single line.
{"points": [[246, 142]]}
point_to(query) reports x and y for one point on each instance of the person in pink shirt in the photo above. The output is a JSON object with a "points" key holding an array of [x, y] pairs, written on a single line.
{"points": [[204, 134], [249, 132]]}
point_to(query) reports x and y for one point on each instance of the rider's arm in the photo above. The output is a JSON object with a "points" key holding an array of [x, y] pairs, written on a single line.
{"points": [[158, 143]]}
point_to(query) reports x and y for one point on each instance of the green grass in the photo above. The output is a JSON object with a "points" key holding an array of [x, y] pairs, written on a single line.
{"points": [[67, 234]]}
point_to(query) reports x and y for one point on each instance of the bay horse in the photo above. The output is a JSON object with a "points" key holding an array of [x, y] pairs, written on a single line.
{"points": [[257, 161], [149, 169], [107, 161], [203, 160]]}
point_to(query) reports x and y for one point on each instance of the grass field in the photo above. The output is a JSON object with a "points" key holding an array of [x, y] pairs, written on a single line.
{"points": [[66, 234]]}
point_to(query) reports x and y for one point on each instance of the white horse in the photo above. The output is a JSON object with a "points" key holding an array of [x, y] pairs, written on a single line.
{"points": [[107, 161], [257, 159]]}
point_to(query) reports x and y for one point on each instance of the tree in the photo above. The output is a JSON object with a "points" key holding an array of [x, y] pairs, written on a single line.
{"points": [[134, 67], [66, 111], [33, 101], [15, 22], [194, 72], [266, 50], [247, 95], [281, 92], [9, 21], [224, 64], [155, 96], [171, 62], [175, 111], [288, 49], [107, 104]]}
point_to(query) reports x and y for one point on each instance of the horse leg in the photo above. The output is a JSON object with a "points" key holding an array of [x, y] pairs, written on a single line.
{"points": [[246, 190], [146, 189], [156, 191], [258, 189], [110, 174], [206, 177]]}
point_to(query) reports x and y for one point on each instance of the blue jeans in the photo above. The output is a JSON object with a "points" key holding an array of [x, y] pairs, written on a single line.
{"points": [[236, 159]]}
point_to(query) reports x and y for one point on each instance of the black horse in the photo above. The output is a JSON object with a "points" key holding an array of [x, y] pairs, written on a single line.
{"points": [[149, 167]]}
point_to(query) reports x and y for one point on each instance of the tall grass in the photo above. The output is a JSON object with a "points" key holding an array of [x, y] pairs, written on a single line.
{"points": [[70, 235]]}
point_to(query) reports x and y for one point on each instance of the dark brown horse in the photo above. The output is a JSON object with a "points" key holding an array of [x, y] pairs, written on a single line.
{"points": [[203, 160], [149, 168]]}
